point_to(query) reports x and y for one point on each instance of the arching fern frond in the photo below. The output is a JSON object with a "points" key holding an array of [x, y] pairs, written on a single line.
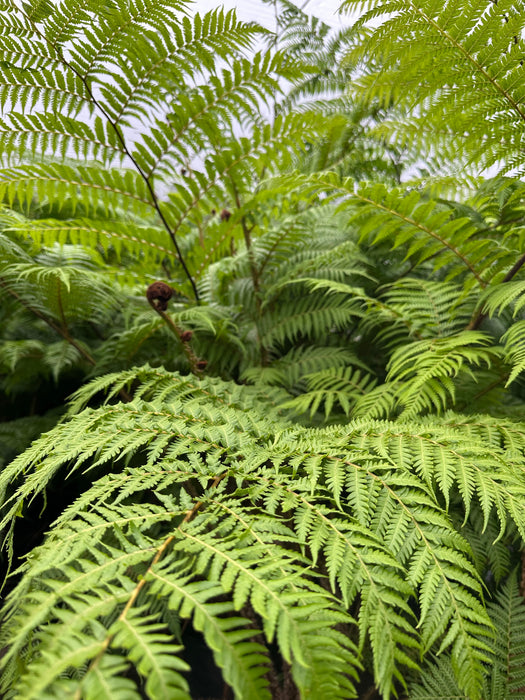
{"points": [[295, 366], [504, 677], [95, 189], [498, 298], [427, 367], [330, 388], [467, 103], [425, 228], [514, 344], [363, 500], [136, 86]]}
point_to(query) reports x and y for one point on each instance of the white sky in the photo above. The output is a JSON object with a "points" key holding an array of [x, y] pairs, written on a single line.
{"points": [[255, 10]]}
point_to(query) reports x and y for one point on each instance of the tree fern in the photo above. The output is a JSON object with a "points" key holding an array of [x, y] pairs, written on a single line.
{"points": [[454, 72], [366, 522], [311, 452]]}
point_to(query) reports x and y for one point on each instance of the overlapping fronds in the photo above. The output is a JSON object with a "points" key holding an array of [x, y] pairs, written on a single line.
{"points": [[428, 229], [514, 340], [505, 677], [200, 488], [419, 334], [455, 73], [304, 445], [341, 386], [137, 87]]}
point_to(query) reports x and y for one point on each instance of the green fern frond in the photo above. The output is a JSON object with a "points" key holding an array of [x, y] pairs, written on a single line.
{"points": [[95, 189], [514, 344], [119, 237], [438, 682], [507, 613], [432, 308], [66, 294], [479, 73], [500, 297], [362, 499], [424, 228], [427, 367], [293, 367], [504, 677], [331, 387]]}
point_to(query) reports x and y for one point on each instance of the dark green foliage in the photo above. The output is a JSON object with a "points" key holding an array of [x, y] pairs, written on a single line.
{"points": [[506, 677]]}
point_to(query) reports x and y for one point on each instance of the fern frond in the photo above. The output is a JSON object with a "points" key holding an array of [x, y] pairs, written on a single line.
{"points": [[290, 369], [362, 500], [507, 613], [500, 297], [44, 133], [313, 316], [427, 367], [433, 309], [514, 345], [115, 236], [479, 73], [425, 228], [504, 677], [339, 386], [95, 189]]}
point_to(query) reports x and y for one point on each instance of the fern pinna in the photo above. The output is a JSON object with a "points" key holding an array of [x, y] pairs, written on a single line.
{"points": [[337, 507], [199, 495]]}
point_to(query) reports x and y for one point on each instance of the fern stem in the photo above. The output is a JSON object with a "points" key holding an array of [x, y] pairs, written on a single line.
{"points": [[490, 387], [190, 355], [515, 269], [190, 514], [125, 149], [480, 316], [424, 228], [151, 190], [58, 329], [64, 332]]}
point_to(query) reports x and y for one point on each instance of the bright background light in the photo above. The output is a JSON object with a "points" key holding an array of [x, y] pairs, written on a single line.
{"points": [[255, 10]]}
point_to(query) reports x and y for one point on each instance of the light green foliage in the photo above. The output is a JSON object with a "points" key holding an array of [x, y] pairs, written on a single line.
{"points": [[506, 677], [455, 73], [313, 457], [364, 499]]}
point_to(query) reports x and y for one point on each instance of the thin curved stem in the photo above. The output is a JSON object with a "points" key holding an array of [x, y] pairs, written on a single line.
{"points": [[125, 149], [480, 316]]}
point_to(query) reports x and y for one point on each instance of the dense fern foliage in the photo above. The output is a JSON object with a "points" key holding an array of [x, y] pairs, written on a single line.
{"points": [[261, 377], [455, 73]]}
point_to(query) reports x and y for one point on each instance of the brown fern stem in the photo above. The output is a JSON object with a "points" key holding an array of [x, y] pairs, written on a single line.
{"points": [[154, 199], [192, 358], [480, 316], [190, 514]]}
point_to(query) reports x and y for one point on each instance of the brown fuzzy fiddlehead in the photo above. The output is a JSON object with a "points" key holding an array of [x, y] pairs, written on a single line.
{"points": [[158, 295]]}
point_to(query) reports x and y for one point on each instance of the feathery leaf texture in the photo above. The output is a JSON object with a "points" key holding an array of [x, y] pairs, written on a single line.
{"points": [[454, 72], [363, 500], [344, 489]]}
